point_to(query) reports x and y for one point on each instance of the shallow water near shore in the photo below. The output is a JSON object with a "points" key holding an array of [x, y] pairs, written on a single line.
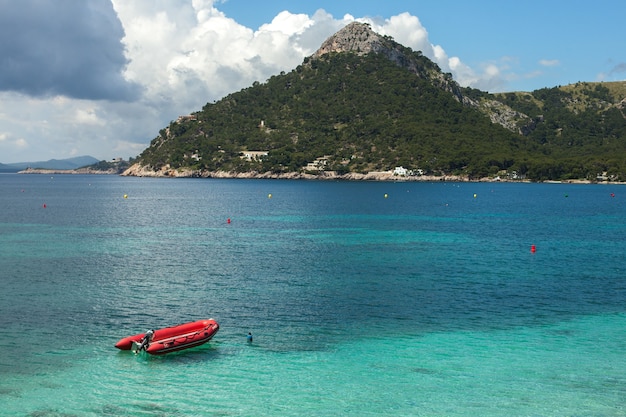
{"points": [[364, 298]]}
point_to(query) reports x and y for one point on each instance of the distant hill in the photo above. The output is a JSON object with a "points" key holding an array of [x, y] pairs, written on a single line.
{"points": [[364, 103], [55, 164]]}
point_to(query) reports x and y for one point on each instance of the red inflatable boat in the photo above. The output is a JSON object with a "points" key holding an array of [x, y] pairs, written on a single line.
{"points": [[171, 339]]}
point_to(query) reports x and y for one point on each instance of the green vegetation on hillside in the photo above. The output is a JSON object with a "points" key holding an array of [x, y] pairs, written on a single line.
{"points": [[354, 113], [582, 132]]}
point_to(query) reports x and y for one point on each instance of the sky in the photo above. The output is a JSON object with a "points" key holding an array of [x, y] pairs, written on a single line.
{"points": [[102, 77]]}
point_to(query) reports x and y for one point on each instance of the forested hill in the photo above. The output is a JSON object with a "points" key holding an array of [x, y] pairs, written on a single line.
{"points": [[365, 103]]}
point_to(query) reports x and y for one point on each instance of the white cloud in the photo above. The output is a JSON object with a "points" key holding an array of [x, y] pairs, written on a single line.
{"points": [[288, 23], [87, 116], [549, 62], [9, 141], [408, 30]]}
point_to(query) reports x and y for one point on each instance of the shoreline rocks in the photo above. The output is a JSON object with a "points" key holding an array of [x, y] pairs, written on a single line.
{"points": [[137, 170], [167, 172], [69, 171]]}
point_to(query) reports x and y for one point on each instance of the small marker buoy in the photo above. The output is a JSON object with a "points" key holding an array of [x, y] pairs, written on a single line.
{"points": [[475, 196], [612, 194], [125, 195], [44, 205], [386, 196], [533, 248], [269, 195], [228, 220]]}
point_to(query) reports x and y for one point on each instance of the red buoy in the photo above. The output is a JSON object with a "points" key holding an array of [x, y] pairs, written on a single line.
{"points": [[533, 248], [44, 206], [228, 220]]}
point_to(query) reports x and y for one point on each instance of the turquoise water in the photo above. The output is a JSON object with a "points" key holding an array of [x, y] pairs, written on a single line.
{"points": [[426, 302]]}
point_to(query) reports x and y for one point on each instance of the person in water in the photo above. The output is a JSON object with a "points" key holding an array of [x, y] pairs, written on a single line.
{"points": [[145, 342], [249, 337]]}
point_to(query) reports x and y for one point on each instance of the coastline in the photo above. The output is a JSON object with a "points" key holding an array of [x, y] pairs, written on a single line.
{"points": [[167, 172], [68, 171]]}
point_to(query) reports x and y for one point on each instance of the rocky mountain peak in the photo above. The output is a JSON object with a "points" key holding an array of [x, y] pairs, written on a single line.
{"points": [[359, 38], [355, 37]]}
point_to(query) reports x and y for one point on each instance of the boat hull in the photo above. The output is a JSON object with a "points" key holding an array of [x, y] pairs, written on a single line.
{"points": [[175, 338]]}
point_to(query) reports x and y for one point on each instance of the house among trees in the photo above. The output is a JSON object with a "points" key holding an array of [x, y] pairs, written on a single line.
{"points": [[400, 171], [186, 118], [253, 155]]}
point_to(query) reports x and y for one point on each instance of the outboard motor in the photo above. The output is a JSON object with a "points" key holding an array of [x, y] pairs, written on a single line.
{"points": [[145, 342]]}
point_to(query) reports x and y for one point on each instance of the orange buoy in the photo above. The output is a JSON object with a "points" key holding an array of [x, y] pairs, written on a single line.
{"points": [[533, 248]]}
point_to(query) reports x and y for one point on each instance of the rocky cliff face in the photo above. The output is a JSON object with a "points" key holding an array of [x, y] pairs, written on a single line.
{"points": [[355, 37]]}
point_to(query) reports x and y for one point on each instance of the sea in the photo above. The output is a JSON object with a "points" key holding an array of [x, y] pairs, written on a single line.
{"points": [[363, 298]]}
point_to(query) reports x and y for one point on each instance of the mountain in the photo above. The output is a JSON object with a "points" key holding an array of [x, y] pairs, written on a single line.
{"points": [[364, 103], [57, 164]]}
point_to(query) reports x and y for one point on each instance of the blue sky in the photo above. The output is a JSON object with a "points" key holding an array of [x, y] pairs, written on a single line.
{"points": [[101, 78]]}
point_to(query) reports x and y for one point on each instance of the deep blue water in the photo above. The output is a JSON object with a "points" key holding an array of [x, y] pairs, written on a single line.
{"points": [[364, 298]]}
